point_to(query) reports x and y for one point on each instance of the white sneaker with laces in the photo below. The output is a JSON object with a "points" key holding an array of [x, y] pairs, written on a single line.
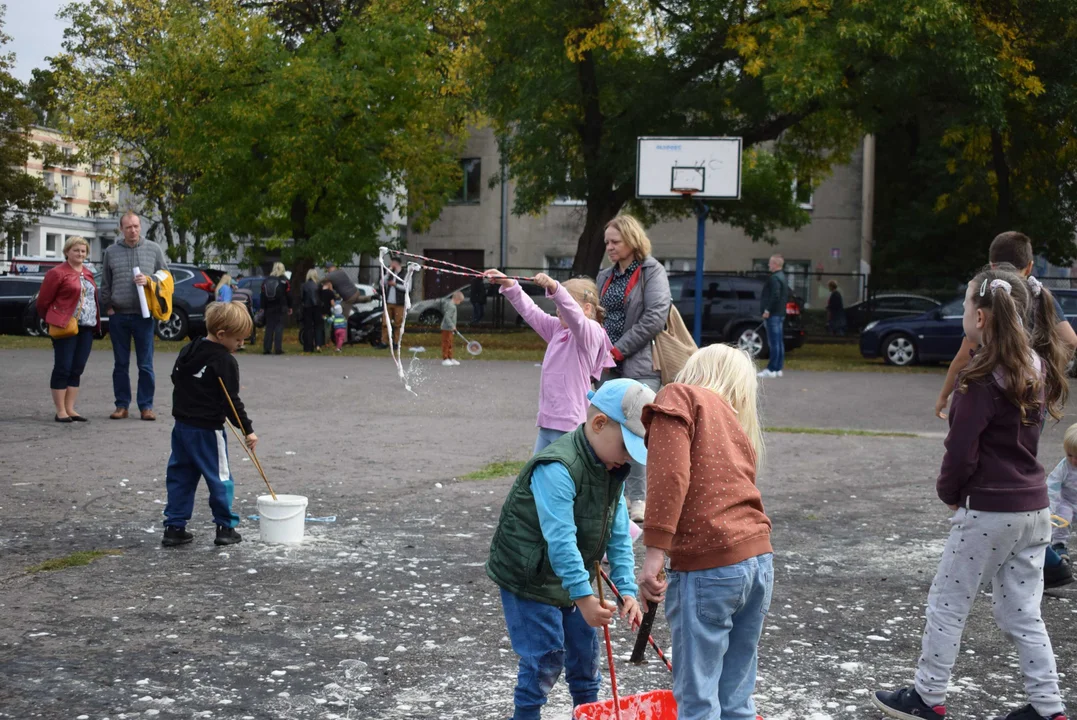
{"points": [[779, 373], [455, 361], [446, 362], [765, 374], [637, 510]]}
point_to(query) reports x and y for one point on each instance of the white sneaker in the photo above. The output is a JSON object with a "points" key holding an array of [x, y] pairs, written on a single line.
{"points": [[779, 373], [765, 374], [637, 510], [455, 361], [446, 362]]}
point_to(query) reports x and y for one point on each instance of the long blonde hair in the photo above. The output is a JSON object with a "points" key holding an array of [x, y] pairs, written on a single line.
{"points": [[226, 279], [278, 270], [731, 373], [583, 290]]}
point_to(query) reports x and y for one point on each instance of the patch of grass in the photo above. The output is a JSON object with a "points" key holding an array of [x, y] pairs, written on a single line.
{"points": [[75, 559], [495, 470], [841, 432], [830, 357]]}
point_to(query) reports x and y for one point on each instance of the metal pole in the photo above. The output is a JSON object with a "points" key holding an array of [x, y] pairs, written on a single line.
{"points": [[701, 232]]}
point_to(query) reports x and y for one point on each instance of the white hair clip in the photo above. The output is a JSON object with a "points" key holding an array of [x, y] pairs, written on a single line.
{"points": [[983, 288], [1035, 285], [999, 283]]}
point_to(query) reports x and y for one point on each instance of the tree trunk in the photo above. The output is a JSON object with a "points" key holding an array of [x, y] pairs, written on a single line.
{"points": [[176, 253], [300, 263], [592, 244], [1002, 178]]}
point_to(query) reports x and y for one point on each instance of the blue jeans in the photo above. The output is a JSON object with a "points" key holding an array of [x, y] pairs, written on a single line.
{"points": [[548, 638], [776, 341], [715, 618], [545, 437], [122, 328], [69, 359], [196, 453]]}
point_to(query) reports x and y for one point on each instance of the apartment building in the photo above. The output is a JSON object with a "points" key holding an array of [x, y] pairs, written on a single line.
{"points": [[84, 203]]}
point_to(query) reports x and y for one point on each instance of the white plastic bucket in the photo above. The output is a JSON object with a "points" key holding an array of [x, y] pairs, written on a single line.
{"points": [[282, 521]]}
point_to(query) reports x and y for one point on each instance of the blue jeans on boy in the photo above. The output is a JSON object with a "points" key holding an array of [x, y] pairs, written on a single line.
{"points": [[122, 328], [545, 438], [196, 453], [715, 618], [548, 638], [69, 356], [776, 342]]}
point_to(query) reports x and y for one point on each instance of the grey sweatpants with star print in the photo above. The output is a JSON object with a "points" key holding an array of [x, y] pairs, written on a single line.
{"points": [[1006, 549]]}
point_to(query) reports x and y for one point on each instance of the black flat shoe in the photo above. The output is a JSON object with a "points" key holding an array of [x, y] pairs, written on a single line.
{"points": [[78, 418], [57, 418]]}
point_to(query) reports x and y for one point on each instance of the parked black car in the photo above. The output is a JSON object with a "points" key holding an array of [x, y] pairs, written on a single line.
{"points": [[194, 288], [16, 291], [885, 306], [933, 336], [731, 311]]}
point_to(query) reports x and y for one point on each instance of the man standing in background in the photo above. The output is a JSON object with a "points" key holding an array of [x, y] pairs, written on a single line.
{"points": [[119, 299], [392, 294], [772, 306]]}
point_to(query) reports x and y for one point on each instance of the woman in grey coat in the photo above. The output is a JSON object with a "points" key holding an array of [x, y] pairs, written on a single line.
{"points": [[634, 291]]}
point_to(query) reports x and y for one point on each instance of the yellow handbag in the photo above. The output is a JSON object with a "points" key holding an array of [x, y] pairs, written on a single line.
{"points": [[59, 332]]}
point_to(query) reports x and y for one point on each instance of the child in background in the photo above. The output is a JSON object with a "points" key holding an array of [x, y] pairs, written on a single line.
{"points": [[448, 327], [198, 438], [564, 511], [577, 349], [1062, 492], [705, 512], [340, 327], [994, 485]]}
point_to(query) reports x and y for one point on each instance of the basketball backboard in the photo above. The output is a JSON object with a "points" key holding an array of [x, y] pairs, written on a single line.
{"points": [[705, 167]]}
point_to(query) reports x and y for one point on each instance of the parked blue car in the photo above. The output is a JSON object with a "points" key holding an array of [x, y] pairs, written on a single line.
{"points": [[934, 336]]}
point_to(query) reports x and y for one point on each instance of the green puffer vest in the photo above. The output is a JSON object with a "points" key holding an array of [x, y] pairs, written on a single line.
{"points": [[519, 559]]}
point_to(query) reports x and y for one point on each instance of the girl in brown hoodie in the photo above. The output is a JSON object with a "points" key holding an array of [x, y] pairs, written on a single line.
{"points": [[704, 511]]}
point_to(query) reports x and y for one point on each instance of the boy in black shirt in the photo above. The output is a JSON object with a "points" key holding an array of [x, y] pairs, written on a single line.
{"points": [[199, 448]]}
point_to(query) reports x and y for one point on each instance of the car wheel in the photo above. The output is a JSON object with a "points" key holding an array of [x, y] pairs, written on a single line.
{"points": [[900, 350], [430, 317], [173, 329], [752, 341]]}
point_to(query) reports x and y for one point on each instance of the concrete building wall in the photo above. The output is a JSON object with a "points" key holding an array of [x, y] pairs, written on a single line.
{"points": [[829, 243]]}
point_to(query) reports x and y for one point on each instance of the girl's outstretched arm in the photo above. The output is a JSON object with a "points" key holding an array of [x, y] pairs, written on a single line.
{"points": [[540, 321]]}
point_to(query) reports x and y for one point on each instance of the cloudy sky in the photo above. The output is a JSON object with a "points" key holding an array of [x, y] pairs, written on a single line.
{"points": [[35, 32]]}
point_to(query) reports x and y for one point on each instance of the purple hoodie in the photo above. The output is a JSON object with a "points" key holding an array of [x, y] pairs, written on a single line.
{"points": [[990, 461], [574, 355]]}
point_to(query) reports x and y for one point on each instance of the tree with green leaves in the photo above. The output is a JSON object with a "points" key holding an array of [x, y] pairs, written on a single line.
{"points": [[23, 197], [303, 136], [571, 85]]}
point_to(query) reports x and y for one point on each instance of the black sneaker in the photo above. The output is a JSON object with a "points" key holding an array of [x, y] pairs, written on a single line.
{"points": [[1029, 713], [1059, 548], [176, 536], [227, 536], [1058, 576], [381, 346], [906, 704]]}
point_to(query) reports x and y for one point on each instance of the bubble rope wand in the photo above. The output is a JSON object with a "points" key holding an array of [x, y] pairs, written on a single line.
{"points": [[387, 272]]}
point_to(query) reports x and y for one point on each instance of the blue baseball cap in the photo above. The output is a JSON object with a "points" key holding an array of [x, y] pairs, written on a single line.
{"points": [[622, 401]]}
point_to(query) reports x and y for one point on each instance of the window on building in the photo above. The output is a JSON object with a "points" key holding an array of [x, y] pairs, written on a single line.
{"points": [[52, 244], [24, 247], [106, 242], [68, 155], [802, 193], [680, 264], [68, 210], [470, 182], [559, 267], [95, 184]]}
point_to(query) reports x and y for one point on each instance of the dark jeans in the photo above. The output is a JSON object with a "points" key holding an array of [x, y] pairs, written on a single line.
{"points": [[198, 453], [122, 328], [310, 329], [319, 329], [69, 359], [478, 312], [274, 332], [547, 639], [776, 340]]}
